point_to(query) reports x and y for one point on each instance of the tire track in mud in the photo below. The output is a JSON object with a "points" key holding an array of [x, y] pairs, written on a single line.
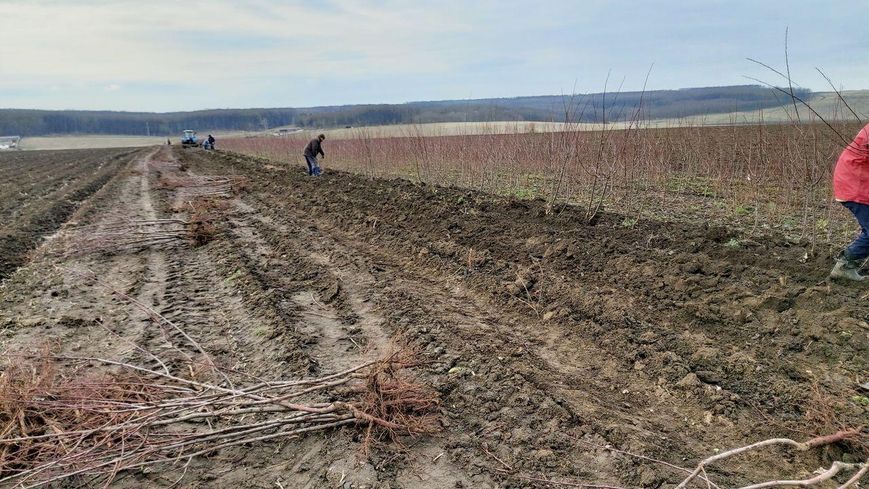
{"points": [[626, 354], [25, 233], [201, 290], [321, 306], [333, 312], [545, 377], [451, 323], [83, 315], [259, 306], [340, 320], [183, 286], [152, 283]]}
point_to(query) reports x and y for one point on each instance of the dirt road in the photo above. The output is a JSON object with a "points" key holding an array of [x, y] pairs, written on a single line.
{"points": [[549, 340]]}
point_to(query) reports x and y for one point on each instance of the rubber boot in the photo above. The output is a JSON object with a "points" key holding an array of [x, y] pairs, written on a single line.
{"points": [[846, 269]]}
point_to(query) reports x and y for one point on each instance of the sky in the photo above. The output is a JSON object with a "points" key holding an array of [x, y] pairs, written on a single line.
{"points": [[169, 56]]}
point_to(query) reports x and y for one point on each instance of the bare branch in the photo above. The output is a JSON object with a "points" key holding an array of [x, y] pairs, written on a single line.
{"points": [[802, 447]]}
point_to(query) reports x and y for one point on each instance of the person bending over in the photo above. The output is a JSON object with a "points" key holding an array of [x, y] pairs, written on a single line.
{"points": [[314, 147]]}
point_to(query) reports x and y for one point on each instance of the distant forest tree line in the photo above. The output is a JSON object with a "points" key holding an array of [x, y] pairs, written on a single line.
{"points": [[597, 107]]}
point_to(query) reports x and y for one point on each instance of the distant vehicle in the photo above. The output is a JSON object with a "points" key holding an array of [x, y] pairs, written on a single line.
{"points": [[9, 142], [189, 139], [286, 131]]}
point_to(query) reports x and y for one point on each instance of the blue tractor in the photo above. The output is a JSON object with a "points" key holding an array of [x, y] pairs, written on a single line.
{"points": [[189, 139]]}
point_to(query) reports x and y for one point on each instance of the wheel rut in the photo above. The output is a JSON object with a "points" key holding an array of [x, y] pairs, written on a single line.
{"points": [[561, 373], [545, 338]]}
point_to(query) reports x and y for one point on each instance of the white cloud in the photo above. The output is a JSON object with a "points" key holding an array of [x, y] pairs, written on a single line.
{"points": [[164, 54], [131, 41]]}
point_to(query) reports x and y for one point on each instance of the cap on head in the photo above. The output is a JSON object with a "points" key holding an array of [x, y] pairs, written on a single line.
{"points": [[322, 137]]}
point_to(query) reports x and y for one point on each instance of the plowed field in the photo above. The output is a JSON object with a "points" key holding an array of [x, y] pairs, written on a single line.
{"points": [[39, 190], [555, 346]]}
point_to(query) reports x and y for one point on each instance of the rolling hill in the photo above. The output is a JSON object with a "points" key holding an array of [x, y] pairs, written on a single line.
{"points": [[710, 105]]}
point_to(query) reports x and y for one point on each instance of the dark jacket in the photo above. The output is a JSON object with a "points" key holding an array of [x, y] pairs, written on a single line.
{"points": [[313, 148]]}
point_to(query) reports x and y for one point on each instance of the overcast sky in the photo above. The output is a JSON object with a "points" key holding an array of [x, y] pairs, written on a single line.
{"points": [[160, 55]]}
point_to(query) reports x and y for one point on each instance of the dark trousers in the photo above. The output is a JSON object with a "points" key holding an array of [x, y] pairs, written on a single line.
{"points": [[859, 249], [313, 166]]}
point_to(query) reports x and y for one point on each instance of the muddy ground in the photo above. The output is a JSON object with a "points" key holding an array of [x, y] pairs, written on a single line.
{"points": [[548, 339], [39, 191]]}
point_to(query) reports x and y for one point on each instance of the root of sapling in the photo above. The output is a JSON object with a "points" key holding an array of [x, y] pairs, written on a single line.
{"points": [[206, 221], [398, 402]]}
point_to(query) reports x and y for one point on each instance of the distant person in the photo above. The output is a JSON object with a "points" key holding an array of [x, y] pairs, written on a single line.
{"points": [[168, 142], [851, 189], [314, 147], [211, 141]]}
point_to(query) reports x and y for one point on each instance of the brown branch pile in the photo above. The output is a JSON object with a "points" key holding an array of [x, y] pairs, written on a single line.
{"points": [[163, 164], [121, 236], [205, 223], [192, 186], [57, 424]]}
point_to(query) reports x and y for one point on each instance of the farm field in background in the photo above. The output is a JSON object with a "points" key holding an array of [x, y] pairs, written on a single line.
{"points": [[91, 141], [827, 104], [432, 129], [88, 142]]}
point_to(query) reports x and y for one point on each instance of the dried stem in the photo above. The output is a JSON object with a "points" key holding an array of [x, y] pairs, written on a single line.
{"points": [[54, 427], [804, 446]]}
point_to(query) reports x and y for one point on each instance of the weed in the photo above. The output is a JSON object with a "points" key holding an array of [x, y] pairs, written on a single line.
{"points": [[234, 276], [822, 225], [743, 210], [629, 222], [733, 243], [523, 193]]}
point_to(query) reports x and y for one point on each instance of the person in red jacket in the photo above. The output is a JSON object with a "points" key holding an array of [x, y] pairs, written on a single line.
{"points": [[851, 189]]}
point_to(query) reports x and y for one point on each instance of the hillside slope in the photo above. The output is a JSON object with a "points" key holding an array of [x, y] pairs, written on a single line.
{"points": [[711, 104]]}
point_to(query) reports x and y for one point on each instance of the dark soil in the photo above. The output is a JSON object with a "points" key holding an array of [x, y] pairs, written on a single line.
{"points": [[41, 189], [546, 337]]}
